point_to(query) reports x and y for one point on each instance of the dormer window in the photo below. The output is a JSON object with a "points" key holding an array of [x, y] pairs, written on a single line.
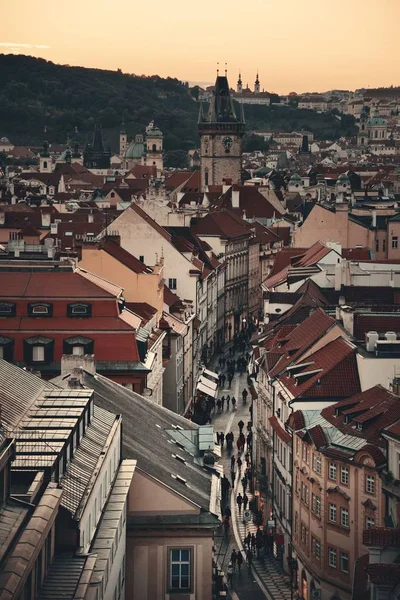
{"points": [[79, 310], [40, 310], [78, 345], [7, 309]]}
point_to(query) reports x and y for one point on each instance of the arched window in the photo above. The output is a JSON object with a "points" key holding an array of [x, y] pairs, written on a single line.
{"points": [[206, 177], [154, 148], [45, 164], [40, 310]]}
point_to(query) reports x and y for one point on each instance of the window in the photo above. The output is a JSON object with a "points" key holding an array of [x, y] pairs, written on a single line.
{"points": [[78, 345], [316, 547], [332, 471], [395, 242], [205, 177], [332, 557], [7, 309], [370, 484], [141, 258], [6, 348], [304, 535], [179, 569], [332, 513], [376, 245], [79, 310], [344, 562], [344, 475], [38, 353], [172, 284], [78, 350], [383, 245], [316, 504], [40, 310], [369, 522], [317, 463], [344, 517]]}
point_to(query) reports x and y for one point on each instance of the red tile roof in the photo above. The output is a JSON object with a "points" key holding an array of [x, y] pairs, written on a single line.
{"points": [[282, 433], [301, 338], [381, 537], [336, 376], [170, 299], [142, 309], [64, 324], [176, 179], [382, 573], [378, 407], [125, 258], [363, 323], [357, 254], [48, 285], [222, 223], [251, 201]]}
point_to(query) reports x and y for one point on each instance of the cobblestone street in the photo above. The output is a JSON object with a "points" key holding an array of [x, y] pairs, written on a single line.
{"points": [[266, 579]]}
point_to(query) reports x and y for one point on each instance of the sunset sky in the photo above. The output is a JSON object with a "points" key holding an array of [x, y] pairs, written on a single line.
{"points": [[297, 45]]}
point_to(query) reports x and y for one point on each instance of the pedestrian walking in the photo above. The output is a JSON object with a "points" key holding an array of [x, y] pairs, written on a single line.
{"points": [[227, 402], [249, 558], [222, 438], [247, 540], [239, 502], [228, 512], [233, 477], [230, 377], [244, 483], [239, 463], [233, 461], [226, 525], [223, 378], [241, 425], [219, 404], [245, 501], [233, 559], [222, 402], [247, 459], [230, 572], [239, 560], [233, 403], [259, 541], [253, 543], [218, 438], [241, 441]]}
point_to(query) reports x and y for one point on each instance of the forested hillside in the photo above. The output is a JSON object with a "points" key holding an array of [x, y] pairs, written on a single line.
{"points": [[36, 94]]}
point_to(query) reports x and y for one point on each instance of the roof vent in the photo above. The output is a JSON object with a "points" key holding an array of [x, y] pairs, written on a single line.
{"points": [[370, 340], [177, 427], [391, 336]]}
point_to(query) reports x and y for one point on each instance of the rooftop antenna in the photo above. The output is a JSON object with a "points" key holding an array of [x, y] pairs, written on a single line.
{"points": [[217, 69], [226, 69]]}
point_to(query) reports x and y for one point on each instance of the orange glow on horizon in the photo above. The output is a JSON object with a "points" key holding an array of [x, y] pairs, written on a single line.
{"points": [[296, 46]]}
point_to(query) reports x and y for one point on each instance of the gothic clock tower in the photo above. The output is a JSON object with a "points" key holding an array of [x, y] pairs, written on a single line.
{"points": [[221, 133]]}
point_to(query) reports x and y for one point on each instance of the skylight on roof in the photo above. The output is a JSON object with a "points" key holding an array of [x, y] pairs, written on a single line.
{"points": [[180, 458], [179, 478], [177, 427]]}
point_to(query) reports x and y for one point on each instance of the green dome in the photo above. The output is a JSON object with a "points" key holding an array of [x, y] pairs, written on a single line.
{"points": [[134, 150], [343, 178], [153, 131], [295, 178]]}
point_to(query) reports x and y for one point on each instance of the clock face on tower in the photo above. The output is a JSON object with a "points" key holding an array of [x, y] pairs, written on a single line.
{"points": [[227, 142]]}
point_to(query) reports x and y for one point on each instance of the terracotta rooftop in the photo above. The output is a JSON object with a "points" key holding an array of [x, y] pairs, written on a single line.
{"points": [[125, 258], [333, 373], [382, 573], [142, 309], [363, 323], [222, 223], [365, 414], [47, 285], [382, 537]]}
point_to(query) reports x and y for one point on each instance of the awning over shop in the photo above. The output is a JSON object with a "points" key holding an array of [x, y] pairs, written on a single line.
{"points": [[211, 384], [211, 374], [204, 389]]}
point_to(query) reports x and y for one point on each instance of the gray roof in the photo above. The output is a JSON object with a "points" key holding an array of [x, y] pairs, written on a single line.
{"points": [[149, 434], [63, 577], [80, 469], [12, 516]]}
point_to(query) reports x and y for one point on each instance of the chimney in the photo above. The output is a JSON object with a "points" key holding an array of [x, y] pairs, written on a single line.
{"points": [[46, 219], [235, 199], [374, 219], [71, 362], [90, 218], [396, 386], [370, 340]]}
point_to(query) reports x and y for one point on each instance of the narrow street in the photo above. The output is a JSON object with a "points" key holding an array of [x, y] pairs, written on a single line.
{"points": [[266, 579]]}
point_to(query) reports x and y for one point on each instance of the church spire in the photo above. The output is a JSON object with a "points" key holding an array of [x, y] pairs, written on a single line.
{"points": [[222, 109], [239, 87], [98, 140], [257, 84]]}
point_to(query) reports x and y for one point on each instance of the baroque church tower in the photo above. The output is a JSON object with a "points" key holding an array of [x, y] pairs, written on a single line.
{"points": [[221, 133]]}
